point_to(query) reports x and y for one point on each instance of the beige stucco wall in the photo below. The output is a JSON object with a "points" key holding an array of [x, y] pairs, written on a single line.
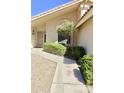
{"points": [[84, 36], [51, 33], [33, 37]]}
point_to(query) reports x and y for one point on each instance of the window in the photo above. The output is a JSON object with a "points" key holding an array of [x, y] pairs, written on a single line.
{"points": [[44, 36]]}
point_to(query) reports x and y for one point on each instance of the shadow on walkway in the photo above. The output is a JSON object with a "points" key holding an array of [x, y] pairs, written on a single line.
{"points": [[78, 75]]}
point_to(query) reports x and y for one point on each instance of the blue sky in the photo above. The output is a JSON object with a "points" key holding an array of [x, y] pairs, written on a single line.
{"points": [[39, 6]]}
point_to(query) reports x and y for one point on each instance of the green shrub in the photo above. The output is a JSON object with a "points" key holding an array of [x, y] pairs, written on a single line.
{"points": [[54, 48], [78, 52], [63, 44], [86, 63]]}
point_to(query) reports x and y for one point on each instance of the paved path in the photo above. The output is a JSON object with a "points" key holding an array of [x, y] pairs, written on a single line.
{"points": [[67, 77]]}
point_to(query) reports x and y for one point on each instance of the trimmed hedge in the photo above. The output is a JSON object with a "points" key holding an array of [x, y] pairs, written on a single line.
{"points": [[54, 48], [86, 63], [78, 52]]}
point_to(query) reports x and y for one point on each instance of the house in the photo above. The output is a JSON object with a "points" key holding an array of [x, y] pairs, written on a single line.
{"points": [[44, 25]]}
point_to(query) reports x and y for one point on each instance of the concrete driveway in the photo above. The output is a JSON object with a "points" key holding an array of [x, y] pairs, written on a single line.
{"points": [[42, 73]]}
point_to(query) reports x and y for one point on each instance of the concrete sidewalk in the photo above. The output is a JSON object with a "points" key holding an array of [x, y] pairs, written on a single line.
{"points": [[67, 77]]}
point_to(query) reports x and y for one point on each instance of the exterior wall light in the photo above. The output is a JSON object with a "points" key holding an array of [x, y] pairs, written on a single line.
{"points": [[33, 32]]}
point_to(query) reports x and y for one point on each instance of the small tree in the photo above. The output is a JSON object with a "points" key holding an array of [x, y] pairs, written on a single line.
{"points": [[66, 30]]}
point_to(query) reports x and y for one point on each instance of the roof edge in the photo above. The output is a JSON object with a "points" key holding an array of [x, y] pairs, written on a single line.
{"points": [[55, 9], [84, 18]]}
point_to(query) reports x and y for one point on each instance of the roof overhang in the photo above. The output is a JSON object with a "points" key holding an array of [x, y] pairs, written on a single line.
{"points": [[58, 11], [84, 18]]}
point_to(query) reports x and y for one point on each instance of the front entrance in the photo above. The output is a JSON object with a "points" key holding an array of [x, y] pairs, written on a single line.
{"points": [[39, 39]]}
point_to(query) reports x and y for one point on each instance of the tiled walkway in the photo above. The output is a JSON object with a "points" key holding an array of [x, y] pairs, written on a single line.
{"points": [[67, 77]]}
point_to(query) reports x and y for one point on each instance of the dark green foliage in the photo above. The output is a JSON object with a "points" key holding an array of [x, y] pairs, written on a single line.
{"points": [[68, 53], [86, 63], [78, 52], [54, 48]]}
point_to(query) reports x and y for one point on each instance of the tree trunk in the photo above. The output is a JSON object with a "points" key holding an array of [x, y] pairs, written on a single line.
{"points": [[71, 40]]}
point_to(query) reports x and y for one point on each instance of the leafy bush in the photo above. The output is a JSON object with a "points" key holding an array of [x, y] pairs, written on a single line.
{"points": [[54, 48], [66, 28], [65, 31], [78, 52], [86, 63]]}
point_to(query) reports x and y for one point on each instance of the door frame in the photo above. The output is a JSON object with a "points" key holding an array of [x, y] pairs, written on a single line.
{"points": [[43, 38]]}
